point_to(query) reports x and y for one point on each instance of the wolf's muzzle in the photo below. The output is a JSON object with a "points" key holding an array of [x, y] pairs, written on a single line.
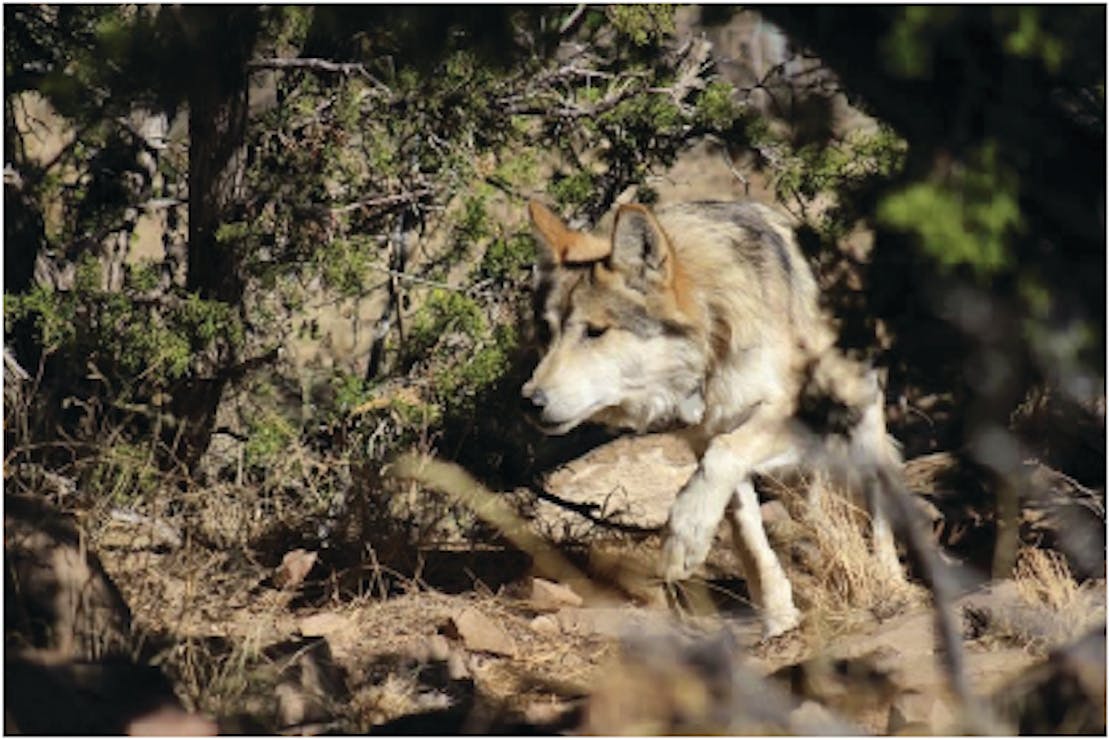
{"points": [[534, 400]]}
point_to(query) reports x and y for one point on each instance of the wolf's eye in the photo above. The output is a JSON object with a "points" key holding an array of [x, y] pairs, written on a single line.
{"points": [[593, 331]]}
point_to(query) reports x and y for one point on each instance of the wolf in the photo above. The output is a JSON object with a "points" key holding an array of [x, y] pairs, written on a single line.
{"points": [[704, 317]]}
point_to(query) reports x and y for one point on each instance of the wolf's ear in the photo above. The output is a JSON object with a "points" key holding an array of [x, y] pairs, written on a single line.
{"points": [[564, 245], [641, 251]]}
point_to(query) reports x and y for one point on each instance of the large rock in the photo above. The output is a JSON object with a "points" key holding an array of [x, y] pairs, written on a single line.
{"points": [[629, 482], [57, 595], [68, 663]]}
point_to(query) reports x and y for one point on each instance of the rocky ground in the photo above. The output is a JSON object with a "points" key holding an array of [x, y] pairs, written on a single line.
{"points": [[481, 642]]}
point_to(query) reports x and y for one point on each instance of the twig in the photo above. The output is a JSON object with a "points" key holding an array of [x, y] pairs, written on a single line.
{"points": [[905, 519], [572, 19], [409, 277], [318, 65], [731, 167], [385, 200], [492, 509]]}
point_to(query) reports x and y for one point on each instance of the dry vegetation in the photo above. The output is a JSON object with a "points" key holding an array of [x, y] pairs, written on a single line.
{"points": [[294, 583], [358, 648]]}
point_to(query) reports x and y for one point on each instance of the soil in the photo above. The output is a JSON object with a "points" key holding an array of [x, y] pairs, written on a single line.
{"points": [[493, 650]]}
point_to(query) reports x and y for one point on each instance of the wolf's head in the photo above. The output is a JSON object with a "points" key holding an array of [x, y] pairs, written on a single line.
{"points": [[625, 346]]}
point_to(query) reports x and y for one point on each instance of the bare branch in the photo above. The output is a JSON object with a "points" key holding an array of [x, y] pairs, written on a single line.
{"points": [[385, 200], [312, 64], [572, 19]]}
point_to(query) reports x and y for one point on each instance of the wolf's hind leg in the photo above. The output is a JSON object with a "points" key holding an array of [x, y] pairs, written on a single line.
{"points": [[876, 448], [767, 581], [882, 539]]}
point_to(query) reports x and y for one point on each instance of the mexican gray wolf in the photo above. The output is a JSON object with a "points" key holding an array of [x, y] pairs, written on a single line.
{"points": [[703, 317]]}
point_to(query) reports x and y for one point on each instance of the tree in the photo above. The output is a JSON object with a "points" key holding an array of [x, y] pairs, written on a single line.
{"points": [[376, 139]]}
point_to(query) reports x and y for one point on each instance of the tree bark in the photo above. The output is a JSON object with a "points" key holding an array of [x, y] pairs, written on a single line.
{"points": [[222, 39]]}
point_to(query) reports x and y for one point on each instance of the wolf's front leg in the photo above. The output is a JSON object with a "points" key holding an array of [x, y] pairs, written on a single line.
{"points": [[695, 515], [700, 505]]}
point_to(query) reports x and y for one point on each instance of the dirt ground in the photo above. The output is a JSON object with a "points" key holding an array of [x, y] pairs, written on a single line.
{"points": [[479, 642]]}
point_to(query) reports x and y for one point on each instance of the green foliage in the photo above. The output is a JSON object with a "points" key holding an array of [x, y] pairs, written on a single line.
{"points": [[344, 264], [908, 49], [643, 25], [269, 436], [919, 32], [575, 189], [507, 258], [134, 341], [444, 312], [287, 28], [966, 216], [838, 165], [412, 163], [473, 224], [53, 317], [1028, 35], [350, 391], [716, 109], [122, 474]]}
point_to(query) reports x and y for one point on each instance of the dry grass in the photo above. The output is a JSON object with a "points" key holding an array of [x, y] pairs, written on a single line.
{"points": [[1043, 578], [1059, 608], [219, 620], [826, 548]]}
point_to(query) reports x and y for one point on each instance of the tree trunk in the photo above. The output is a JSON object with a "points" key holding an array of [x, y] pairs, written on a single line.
{"points": [[222, 39]]}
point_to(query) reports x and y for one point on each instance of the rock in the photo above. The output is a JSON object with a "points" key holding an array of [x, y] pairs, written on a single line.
{"points": [[479, 633], [545, 624], [457, 668], [672, 683], [57, 595], [69, 666], [294, 568], [1064, 695], [1001, 594], [610, 621], [45, 693], [917, 713], [546, 712], [311, 683], [858, 689], [549, 596], [904, 636], [631, 480], [773, 512], [169, 721], [134, 531], [318, 625], [294, 705], [811, 718], [1002, 608], [439, 649]]}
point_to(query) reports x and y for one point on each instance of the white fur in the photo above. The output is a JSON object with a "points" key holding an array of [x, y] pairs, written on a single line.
{"points": [[710, 317]]}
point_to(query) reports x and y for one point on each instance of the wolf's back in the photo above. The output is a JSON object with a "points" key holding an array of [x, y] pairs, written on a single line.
{"points": [[745, 255]]}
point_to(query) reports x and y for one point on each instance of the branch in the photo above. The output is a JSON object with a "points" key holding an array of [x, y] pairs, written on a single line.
{"points": [[312, 64], [385, 200], [572, 19]]}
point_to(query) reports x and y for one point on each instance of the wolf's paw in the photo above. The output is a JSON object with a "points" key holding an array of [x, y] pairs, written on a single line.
{"points": [[779, 623], [683, 551]]}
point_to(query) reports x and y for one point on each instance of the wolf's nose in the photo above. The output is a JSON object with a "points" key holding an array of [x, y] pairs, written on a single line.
{"points": [[536, 396]]}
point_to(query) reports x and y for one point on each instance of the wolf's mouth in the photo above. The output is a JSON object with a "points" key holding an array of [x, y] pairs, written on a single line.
{"points": [[554, 428]]}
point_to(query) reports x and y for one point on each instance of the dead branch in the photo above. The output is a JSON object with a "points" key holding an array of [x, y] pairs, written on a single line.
{"points": [[384, 200], [325, 66]]}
